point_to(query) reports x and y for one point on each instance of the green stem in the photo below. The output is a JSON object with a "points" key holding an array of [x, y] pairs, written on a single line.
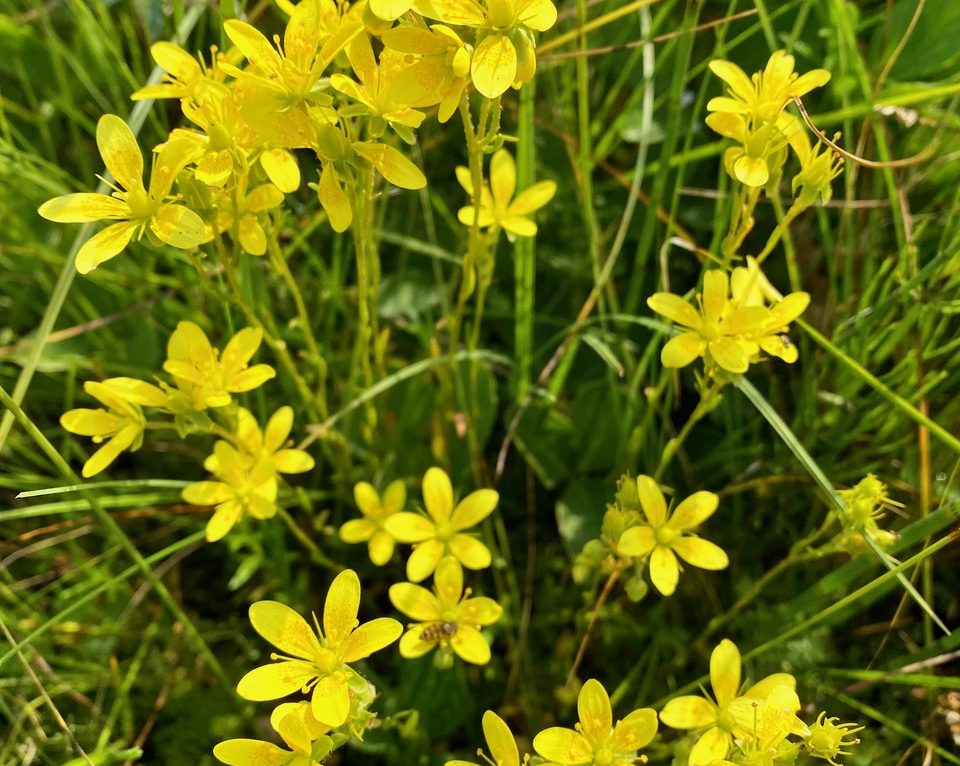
{"points": [[707, 402], [795, 209], [318, 556]]}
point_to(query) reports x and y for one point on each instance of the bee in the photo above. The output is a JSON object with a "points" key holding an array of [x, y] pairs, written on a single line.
{"points": [[439, 631]]}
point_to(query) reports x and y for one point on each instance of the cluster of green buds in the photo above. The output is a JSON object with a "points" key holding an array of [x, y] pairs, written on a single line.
{"points": [[863, 507]]}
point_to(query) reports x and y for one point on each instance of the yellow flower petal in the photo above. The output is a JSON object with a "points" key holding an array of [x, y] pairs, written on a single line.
{"points": [[751, 171], [284, 628], [479, 611], [563, 746], [438, 494], [207, 493], [392, 165], [251, 235], [694, 510], [357, 531], [503, 178], [380, 548], [519, 226], [472, 553], [688, 713], [367, 499], [110, 451], [651, 500], [716, 291], [679, 351], [395, 497], [424, 560], [700, 553], [340, 611], [278, 679], [712, 746], [635, 731], [282, 169], [735, 77], [675, 308], [330, 702], [763, 687], [725, 672], [390, 9], [411, 646], [369, 638], [470, 645], [334, 200], [257, 48], [448, 581], [175, 60], [474, 508], [637, 541], [87, 422], [792, 306], [729, 354], [292, 461], [593, 708], [278, 428], [104, 245], [533, 198], [664, 570], [249, 379], [500, 740], [80, 208], [537, 14], [241, 348], [415, 602], [223, 520], [178, 226], [410, 527], [250, 752], [265, 197], [494, 65], [120, 152]]}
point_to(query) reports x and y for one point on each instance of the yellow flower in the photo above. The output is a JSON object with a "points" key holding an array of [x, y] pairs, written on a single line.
{"points": [[247, 212], [448, 619], [317, 664], [763, 724], [763, 96], [268, 446], [299, 730], [722, 331], [441, 532], [762, 150], [376, 93], [498, 207], [370, 529], [716, 716], [596, 741], [243, 489], [667, 536], [291, 72], [500, 741], [186, 77], [206, 377], [120, 425], [505, 51], [441, 71], [136, 209]]}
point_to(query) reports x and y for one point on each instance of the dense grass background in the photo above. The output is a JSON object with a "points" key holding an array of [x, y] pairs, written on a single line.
{"points": [[111, 666]]}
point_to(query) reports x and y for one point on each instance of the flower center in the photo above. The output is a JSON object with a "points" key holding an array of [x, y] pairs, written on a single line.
{"points": [[665, 535]]}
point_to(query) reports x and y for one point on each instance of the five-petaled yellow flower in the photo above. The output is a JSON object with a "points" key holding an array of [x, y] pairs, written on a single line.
{"points": [[498, 207], [120, 426], [442, 531], [135, 208], [376, 510], [242, 489], [268, 446], [500, 741], [762, 97], [207, 378], [716, 716], [723, 331], [448, 619], [596, 741], [667, 536], [317, 664]]}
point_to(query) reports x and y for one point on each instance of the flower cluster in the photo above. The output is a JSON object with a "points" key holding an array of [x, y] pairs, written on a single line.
{"points": [[345, 79], [863, 507], [319, 664], [246, 462], [595, 740], [752, 727], [753, 115], [448, 617]]}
